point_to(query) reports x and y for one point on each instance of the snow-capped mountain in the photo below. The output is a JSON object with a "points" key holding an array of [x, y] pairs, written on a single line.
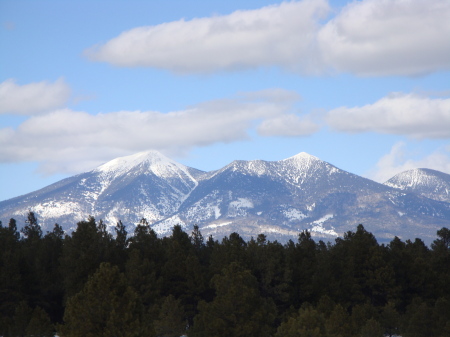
{"points": [[146, 184], [429, 183], [284, 197], [278, 198]]}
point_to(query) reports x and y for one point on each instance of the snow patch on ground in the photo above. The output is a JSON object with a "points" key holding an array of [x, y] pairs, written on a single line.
{"points": [[323, 219], [165, 226], [241, 203], [217, 212], [213, 225], [204, 210], [293, 214], [239, 207], [54, 209], [311, 207], [318, 226]]}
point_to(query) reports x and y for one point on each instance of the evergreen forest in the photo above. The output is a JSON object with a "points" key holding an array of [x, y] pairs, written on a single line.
{"points": [[93, 283]]}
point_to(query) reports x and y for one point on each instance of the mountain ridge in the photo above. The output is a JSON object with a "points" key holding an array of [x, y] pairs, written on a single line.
{"points": [[279, 198]]}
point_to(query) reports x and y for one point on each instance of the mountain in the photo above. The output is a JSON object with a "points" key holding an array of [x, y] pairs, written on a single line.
{"points": [[277, 198], [284, 197], [428, 183], [146, 184]]}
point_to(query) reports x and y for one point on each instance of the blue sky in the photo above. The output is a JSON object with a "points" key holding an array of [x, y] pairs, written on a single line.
{"points": [[364, 85]]}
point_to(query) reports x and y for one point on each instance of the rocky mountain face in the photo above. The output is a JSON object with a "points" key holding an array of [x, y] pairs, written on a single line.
{"points": [[279, 199]]}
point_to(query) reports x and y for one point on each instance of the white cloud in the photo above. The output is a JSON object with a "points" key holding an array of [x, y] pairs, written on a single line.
{"points": [[32, 98], [288, 125], [70, 141], [396, 162], [282, 34], [388, 37], [405, 114], [367, 38]]}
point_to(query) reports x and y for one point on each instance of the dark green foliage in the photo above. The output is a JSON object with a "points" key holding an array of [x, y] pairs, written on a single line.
{"points": [[106, 306], [22, 317], [83, 252], [121, 235], [418, 320], [170, 321], [338, 323], [307, 323], [441, 317], [390, 319], [40, 324], [32, 231], [238, 308], [93, 283], [372, 329]]}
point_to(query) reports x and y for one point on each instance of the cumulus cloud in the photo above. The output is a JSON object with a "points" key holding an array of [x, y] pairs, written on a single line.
{"points": [[388, 37], [71, 141], [32, 98], [403, 114], [367, 38], [282, 34], [396, 161]]}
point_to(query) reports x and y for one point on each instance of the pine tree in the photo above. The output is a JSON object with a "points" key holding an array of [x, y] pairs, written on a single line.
{"points": [[106, 307], [40, 324], [142, 275], [339, 323], [32, 231], [372, 329], [441, 317], [418, 320], [390, 319], [308, 322], [171, 321], [11, 283], [197, 238], [361, 313], [83, 252], [237, 310], [121, 235], [22, 317]]}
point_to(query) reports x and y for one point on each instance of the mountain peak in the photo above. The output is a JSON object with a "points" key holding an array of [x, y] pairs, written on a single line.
{"points": [[302, 156], [415, 177], [126, 163], [148, 161], [427, 182]]}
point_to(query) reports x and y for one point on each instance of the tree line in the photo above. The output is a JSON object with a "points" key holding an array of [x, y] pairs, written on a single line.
{"points": [[93, 283]]}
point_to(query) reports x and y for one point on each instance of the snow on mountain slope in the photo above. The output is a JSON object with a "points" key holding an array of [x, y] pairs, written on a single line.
{"points": [[148, 161], [146, 184], [302, 192], [278, 198], [426, 182]]}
